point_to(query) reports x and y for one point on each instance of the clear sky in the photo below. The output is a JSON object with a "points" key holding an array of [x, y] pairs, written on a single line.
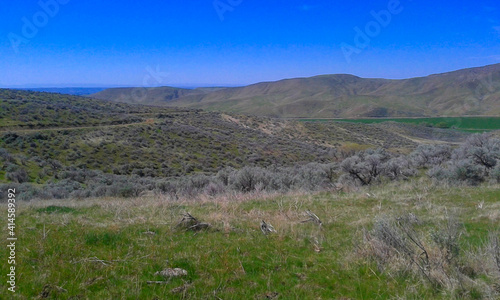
{"points": [[235, 42]]}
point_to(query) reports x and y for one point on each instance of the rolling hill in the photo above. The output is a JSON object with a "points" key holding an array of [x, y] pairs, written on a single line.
{"points": [[156, 95], [474, 91], [125, 139]]}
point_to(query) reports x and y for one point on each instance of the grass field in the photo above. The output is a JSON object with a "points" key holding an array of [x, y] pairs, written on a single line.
{"points": [[471, 124], [111, 248]]}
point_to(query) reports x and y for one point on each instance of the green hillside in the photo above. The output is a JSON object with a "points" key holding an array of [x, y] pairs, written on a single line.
{"points": [[470, 124]]}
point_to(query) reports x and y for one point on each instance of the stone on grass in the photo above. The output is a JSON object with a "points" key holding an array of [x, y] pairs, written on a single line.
{"points": [[169, 272]]}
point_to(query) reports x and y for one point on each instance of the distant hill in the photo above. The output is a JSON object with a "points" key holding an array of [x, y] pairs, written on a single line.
{"points": [[76, 91], [155, 95], [474, 91]]}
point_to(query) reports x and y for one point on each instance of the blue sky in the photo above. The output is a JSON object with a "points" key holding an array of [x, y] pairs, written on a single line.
{"points": [[236, 42]]}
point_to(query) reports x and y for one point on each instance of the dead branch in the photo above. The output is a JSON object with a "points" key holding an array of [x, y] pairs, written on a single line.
{"points": [[312, 218], [191, 223], [266, 228], [199, 226]]}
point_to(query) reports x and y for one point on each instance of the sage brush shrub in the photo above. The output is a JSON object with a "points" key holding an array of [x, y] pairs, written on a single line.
{"points": [[331, 170], [464, 165], [366, 167], [214, 189], [18, 175], [224, 174], [466, 171], [426, 156], [401, 245], [438, 173], [471, 163], [447, 237], [495, 173], [286, 179], [482, 149], [248, 178], [386, 239], [311, 177], [6, 156], [192, 185], [462, 171], [24, 191], [166, 187], [61, 189], [399, 168]]}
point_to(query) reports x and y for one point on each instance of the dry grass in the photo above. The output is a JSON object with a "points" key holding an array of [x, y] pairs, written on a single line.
{"points": [[125, 241]]}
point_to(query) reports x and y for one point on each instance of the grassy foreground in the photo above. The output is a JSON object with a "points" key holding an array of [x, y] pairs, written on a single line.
{"points": [[111, 248]]}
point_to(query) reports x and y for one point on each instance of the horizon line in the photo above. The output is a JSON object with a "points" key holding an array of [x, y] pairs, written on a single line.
{"points": [[212, 85]]}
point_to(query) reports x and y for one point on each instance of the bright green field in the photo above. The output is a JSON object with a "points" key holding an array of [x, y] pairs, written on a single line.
{"points": [[474, 124]]}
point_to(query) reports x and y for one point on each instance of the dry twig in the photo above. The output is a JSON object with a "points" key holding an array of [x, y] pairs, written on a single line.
{"points": [[312, 218]]}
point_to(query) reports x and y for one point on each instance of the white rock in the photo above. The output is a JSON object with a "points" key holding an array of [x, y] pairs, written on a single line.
{"points": [[176, 272]]}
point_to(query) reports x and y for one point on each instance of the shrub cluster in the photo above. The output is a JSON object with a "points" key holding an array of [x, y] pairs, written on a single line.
{"points": [[370, 166], [473, 162], [405, 245], [84, 183]]}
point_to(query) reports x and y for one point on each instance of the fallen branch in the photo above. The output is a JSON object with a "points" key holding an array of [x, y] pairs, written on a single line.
{"points": [[199, 226], [187, 220], [312, 218], [266, 228], [191, 223]]}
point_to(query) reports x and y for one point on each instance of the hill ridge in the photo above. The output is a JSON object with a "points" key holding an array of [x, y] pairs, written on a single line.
{"points": [[471, 91]]}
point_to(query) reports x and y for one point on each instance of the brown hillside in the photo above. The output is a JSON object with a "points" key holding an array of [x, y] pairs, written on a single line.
{"points": [[474, 91]]}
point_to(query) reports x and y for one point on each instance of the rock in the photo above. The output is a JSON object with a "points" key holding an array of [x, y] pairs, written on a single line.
{"points": [[169, 272]]}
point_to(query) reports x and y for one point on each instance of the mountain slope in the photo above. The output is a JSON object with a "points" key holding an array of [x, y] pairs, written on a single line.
{"points": [[474, 91], [142, 95]]}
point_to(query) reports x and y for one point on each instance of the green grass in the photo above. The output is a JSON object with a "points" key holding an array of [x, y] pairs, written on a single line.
{"points": [[471, 124], [110, 248], [56, 209]]}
